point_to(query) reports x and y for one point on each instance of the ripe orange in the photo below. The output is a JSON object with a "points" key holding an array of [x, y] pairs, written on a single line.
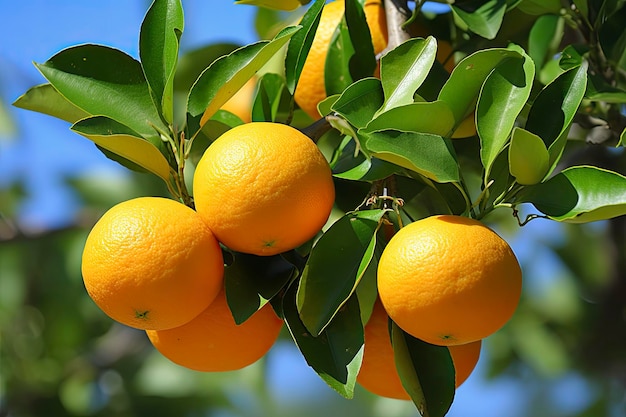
{"points": [[263, 188], [152, 263], [449, 280], [213, 342], [311, 86], [378, 372]]}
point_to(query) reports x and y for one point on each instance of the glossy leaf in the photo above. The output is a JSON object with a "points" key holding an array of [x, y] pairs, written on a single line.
{"points": [[422, 117], [461, 90], [45, 99], [192, 62], [502, 98], [225, 76], [158, 49], [484, 18], [426, 372], [335, 267], [107, 82], [554, 109], [543, 35], [579, 194], [123, 141], [363, 62], [404, 69], [300, 44], [359, 102], [337, 76], [336, 353], [250, 281], [429, 155], [528, 157], [540, 7], [272, 101]]}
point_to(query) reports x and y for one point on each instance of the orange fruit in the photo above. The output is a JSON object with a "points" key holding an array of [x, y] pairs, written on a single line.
{"points": [[152, 263], [241, 103], [213, 342], [378, 372], [263, 188], [449, 280], [465, 358], [311, 86]]}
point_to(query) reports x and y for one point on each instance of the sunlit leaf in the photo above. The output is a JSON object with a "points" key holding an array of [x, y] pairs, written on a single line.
{"points": [[105, 81], [359, 102], [272, 101], [287, 5], [122, 141], [502, 98], [426, 154], [461, 90], [404, 69], [545, 33], [158, 48], [481, 17], [528, 157], [300, 44], [579, 194], [45, 99], [335, 267], [225, 76], [422, 117]]}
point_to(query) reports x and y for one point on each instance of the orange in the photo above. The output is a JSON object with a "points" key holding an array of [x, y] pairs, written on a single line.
{"points": [[378, 372], [263, 188], [152, 263], [213, 342], [449, 280], [311, 86], [241, 103]]}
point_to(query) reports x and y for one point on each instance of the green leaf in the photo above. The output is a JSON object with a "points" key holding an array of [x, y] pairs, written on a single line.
{"points": [[45, 99], [337, 74], [579, 194], [351, 165], [335, 267], [107, 82], [622, 138], [123, 141], [528, 157], [300, 44], [613, 37], [225, 76], [192, 63], [273, 101], [554, 109], [250, 281], [484, 18], [360, 101], [429, 155], [461, 90], [158, 49], [286, 5], [422, 117], [336, 353], [404, 69], [426, 372], [363, 62], [545, 33], [502, 98], [540, 7]]}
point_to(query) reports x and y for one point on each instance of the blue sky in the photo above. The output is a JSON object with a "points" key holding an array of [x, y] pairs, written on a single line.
{"points": [[43, 151]]}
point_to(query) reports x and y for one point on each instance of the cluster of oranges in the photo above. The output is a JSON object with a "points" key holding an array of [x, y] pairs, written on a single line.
{"points": [[265, 188], [156, 264]]}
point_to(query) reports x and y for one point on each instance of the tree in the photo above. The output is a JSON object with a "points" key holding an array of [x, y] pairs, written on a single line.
{"points": [[540, 80]]}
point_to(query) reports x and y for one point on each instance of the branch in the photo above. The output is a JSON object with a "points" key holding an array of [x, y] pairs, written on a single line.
{"points": [[397, 13]]}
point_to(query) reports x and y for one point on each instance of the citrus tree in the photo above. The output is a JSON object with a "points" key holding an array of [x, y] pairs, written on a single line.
{"points": [[353, 191]]}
